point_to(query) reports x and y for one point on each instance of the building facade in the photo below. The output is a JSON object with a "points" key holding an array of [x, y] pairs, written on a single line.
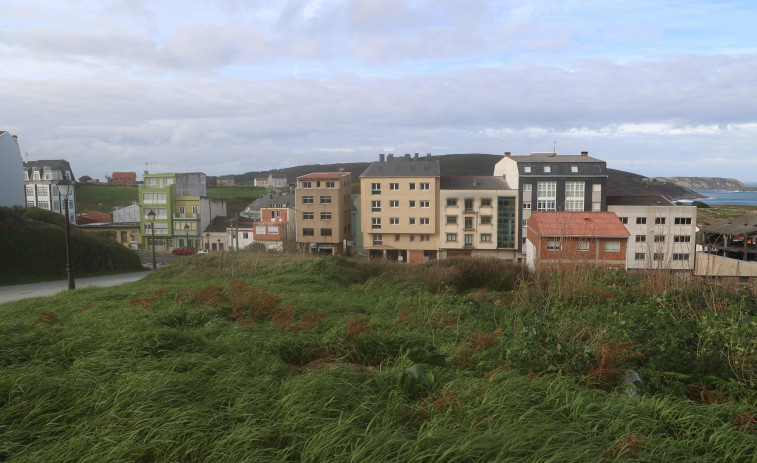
{"points": [[477, 217], [323, 206], [569, 238], [275, 228], [41, 179], [662, 235], [551, 182], [11, 171], [400, 208], [124, 178]]}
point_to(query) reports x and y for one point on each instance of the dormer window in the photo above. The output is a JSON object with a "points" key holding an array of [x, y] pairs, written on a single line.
{"points": [[36, 175], [597, 169], [26, 176], [574, 169], [526, 169], [48, 175], [547, 169]]}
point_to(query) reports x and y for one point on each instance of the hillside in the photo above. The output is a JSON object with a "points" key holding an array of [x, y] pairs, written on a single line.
{"points": [[34, 249], [705, 183], [629, 184], [273, 357]]}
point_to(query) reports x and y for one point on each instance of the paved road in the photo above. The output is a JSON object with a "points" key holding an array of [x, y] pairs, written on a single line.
{"points": [[50, 288]]}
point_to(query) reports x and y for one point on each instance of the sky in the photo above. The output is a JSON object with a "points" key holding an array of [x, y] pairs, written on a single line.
{"points": [[659, 88]]}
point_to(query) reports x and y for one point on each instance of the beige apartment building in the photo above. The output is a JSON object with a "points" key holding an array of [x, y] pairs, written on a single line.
{"points": [[400, 204], [663, 235], [478, 217], [324, 211]]}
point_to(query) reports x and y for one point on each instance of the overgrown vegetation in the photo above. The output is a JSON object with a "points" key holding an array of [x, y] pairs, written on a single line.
{"points": [[34, 248], [259, 357]]}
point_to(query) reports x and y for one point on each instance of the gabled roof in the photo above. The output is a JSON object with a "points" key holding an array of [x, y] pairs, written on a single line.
{"points": [[93, 217], [217, 225], [458, 182], [552, 157], [403, 167], [270, 200], [323, 175], [580, 224], [124, 174]]}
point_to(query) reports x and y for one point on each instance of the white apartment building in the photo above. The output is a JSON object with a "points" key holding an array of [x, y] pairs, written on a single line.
{"points": [[41, 179]]}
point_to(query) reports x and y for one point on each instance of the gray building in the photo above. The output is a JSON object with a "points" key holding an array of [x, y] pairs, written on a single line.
{"points": [[11, 171], [41, 179]]}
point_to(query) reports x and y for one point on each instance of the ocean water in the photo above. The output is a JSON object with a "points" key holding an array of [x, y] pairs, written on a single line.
{"points": [[733, 198]]}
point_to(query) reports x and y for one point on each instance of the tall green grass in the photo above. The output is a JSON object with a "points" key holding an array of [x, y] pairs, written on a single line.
{"points": [[199, 362]]}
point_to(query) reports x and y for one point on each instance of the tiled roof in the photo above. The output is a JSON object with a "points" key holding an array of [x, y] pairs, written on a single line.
{"points": [[457, 182], [598, 224], [124, 174], [403, 167], [323, 175], [217, 225]]}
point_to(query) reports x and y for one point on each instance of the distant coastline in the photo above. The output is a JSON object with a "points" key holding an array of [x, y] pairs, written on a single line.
{"points": [[747, 197]]}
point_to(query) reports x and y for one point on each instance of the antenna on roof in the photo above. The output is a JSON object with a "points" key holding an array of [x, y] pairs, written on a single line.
{"points": [[554, 148]]}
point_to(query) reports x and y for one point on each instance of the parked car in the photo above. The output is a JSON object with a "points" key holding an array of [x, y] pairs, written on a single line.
{"points": [[202, 251], [183, 251]]}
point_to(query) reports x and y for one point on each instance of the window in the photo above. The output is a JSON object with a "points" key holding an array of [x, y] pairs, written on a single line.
{"points": [[412, 203], [195, 210], [682, 239], [153, 198], [623, 220], [682, 221], [547, 169], [307, 200], [307, 216], [375, 206], [574, 196], [524, 223], [394, 220], [412, 186], [659, 238], [546, 196], [425, 186], [397, 237], [29, 190], [412, 220], [641, 220], [451, 202], [425, 203], [376, 223], [425, 238], [486, 238], [641, 238], [468, 240], [394, 203], [394, 186], [26, 175], [36, 175], [527, 206], [526, 169], [377, 239], [244, 235], [329, 184], [325, 215], [640, 256], [526, 187], [659, 256], [612, 246], [469, 223], [307, 184], [659, 220], [30, 203], [486, 220], [43, 204], [412, 238], [684, 256], [596, 206], [325, 232], [486, 202], [425, 221], [451, 219], [468, 204], [48, 175], [574, 169], [325, 199], [451, 236], [582, 246], [375, 188], [597, 169], [181, 210], [553, 245]]}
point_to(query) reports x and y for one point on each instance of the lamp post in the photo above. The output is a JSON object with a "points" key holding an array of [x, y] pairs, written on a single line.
{"points": [[151, 218], [66, 188], [186, 230], [207, 241], [219, 244]]}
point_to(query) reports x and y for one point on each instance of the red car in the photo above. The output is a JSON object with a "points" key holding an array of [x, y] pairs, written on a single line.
{"points": [[183, 251]]}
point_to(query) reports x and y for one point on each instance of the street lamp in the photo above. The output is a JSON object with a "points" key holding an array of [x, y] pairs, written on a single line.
{"points": [[207, 242], [66, 188], [219, 244], [151, 218], [186, 230]]}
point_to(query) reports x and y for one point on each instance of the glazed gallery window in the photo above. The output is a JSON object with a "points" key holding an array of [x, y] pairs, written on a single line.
{"points": [[546, 196], [574, 196]]}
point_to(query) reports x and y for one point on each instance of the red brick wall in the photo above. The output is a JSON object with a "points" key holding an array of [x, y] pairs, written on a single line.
{"points": [[569, 253]]}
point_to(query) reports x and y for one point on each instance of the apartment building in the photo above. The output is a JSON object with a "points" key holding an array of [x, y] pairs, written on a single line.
{"points": [[663, 235], [552, 182], [41, 180], [400, 208], [323, 208], [11, 171], [477, 217], [570, 238], [182, 209], [124, 178]]}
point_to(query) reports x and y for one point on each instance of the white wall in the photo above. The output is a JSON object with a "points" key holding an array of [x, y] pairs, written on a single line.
{"points": [[11, 172]]}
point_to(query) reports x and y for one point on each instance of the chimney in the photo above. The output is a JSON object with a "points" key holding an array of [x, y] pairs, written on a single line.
{"points": [[407, 156], [389, 157], [584, 153], [416, 156], [428, 156], [507, 154], [381, 157]]}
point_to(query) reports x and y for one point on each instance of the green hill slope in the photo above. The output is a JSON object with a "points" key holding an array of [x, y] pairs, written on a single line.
{"points": [[34, 249], [262, 357]]}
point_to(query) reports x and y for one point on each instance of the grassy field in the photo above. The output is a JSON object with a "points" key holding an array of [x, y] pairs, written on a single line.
{"points": [[261, 357], [713, 214]]}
